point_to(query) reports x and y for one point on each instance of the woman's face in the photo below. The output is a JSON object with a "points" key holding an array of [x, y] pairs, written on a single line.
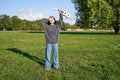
{"points": [[51, 20]]}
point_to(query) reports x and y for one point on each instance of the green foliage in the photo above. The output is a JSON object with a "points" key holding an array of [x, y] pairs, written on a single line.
{"points": [[87, 56], [74, 27], [14, 23], [5, 22], [103, 13], [65, 26], [17, 23]]}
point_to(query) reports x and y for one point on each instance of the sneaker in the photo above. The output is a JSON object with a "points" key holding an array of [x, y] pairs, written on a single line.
{"points": [[47, 68], [56, 68]]}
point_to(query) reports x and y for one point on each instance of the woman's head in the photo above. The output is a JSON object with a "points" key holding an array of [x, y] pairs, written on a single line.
{"points": [[51, 20]]}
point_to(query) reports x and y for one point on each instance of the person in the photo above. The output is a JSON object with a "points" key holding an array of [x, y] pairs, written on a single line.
{"points": [[52, 30]]}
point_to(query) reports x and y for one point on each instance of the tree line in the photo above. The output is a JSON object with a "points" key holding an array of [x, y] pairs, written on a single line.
{"points": [[14, 23]]}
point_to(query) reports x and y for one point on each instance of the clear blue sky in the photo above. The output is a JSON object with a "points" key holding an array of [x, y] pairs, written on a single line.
{"points": [[31, 9]]}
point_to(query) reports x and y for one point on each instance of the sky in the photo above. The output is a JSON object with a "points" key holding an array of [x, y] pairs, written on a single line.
{"points": [[37, 9]]}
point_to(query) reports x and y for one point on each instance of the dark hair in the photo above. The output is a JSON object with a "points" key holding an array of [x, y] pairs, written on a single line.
{"points": [[54, 20]]}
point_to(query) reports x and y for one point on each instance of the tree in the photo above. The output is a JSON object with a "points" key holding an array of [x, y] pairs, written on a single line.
{"points": [[116, 10], [35, 26], [65, 26], [5, 22], [40, 26], [98, 12], [16, 22]]}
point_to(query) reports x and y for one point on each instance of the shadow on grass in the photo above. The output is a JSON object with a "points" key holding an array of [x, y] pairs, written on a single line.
{"points": [[25, 54], [83, 33]]}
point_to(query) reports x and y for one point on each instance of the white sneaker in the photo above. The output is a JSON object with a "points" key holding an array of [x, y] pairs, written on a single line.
{"points": [[47, 68]]}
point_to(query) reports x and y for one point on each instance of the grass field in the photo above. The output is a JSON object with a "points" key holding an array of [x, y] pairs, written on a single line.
{"points": [[83, 56]]}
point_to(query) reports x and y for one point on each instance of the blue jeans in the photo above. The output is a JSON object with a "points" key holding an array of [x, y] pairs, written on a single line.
{"points": [[49, 48]]}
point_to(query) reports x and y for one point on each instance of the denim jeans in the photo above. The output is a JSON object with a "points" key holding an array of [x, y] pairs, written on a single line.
{"points": [[49, 48]]}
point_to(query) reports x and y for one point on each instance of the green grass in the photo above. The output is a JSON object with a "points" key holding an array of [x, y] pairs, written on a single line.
{"points": [[83, 56]]}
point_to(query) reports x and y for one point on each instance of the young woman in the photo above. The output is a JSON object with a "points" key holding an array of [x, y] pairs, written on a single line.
{"points": [[52, 28]]}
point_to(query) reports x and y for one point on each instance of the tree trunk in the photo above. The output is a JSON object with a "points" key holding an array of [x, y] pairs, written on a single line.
{"points": [[116, 23], [116, 29]]}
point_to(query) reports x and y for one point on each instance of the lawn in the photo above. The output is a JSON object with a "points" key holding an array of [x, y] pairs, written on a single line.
{"points": [[82, 55]]}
